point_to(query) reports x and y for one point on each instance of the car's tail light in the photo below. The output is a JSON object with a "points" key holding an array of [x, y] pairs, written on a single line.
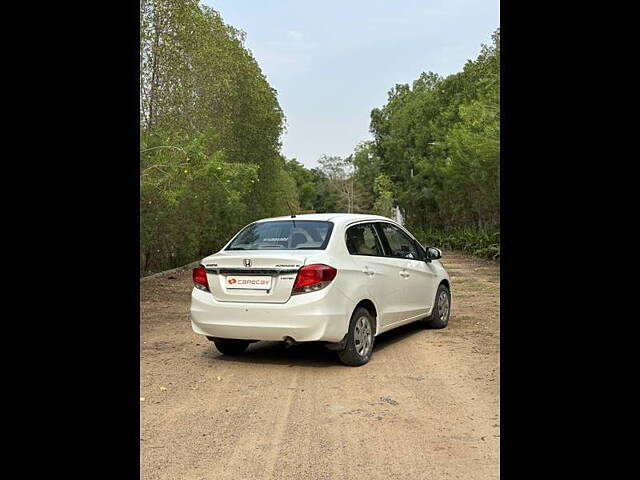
{"points": [[313, 277], [200, 278]]}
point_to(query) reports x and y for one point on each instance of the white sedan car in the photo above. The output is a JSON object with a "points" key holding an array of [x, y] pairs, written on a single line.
{"points": [[341, 279]]}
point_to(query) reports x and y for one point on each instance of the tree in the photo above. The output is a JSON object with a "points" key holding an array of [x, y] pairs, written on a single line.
{"points": [[383, 189], [367, 167], [438, 143], [304, 181], [339, 173], [210, 127]]}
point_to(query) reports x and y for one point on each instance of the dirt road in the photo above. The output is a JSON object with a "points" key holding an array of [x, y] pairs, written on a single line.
{"points": [[425, 407]]}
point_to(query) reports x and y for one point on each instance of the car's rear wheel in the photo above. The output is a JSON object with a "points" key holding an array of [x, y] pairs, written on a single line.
{"points": [[439, 317], [360, 338], [229, 346]]}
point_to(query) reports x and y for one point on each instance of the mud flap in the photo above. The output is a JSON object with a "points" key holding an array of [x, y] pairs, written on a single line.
{"points": [[341, 345]]}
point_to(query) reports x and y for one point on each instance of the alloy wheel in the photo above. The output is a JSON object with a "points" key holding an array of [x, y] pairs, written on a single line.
{"points": [[363, 336], [443, 306]]}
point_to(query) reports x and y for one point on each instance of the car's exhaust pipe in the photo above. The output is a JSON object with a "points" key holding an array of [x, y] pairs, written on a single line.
{"points": [[289, 341]]}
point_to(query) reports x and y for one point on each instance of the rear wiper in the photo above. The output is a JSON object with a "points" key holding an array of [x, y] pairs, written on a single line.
{"points": [[236, 248]]}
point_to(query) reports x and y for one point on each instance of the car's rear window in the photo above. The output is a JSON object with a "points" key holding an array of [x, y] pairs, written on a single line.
{"points": [[283, 235]]}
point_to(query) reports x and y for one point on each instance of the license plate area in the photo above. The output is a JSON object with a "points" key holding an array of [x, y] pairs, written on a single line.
{"points": [[248, 282]]}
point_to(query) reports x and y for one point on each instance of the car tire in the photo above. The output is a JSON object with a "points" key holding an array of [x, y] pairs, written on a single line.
{"points": [[439, 317], [229, 346], [360, 338]]}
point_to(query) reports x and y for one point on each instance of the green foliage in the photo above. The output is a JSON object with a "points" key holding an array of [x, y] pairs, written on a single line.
{"points": [[382, 188], [470, 240], [210, 128], [438, 141], [327, 197], [367, 168], [187, 196], [304, 185], [437, 147]]}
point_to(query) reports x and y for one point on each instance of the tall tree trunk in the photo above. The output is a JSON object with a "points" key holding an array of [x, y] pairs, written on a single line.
{"points": [[154, 66]]}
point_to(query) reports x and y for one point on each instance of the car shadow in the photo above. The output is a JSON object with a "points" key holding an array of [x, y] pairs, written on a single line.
{"points": [[309, 354], [306, 354], [385, 340]]}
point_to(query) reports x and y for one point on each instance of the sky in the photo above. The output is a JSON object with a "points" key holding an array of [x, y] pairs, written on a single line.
{"points": [[333, 61]]}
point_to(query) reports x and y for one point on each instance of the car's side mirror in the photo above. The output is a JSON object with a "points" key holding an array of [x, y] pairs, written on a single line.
{"points": [[433, 253]]}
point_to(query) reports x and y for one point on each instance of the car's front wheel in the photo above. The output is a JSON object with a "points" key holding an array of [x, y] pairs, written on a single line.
{"points": [[229, 346], [359, 344], [439, 317]]}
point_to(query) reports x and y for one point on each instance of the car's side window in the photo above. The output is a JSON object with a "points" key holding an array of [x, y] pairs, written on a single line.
{"points": [[362, 240], [400, 244]]}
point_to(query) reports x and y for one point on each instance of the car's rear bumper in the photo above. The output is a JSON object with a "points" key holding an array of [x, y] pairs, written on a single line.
{"points": [[307, 317]]}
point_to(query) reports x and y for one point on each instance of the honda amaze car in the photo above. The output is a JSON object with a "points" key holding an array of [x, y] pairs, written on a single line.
{"points": [[341, 279]]}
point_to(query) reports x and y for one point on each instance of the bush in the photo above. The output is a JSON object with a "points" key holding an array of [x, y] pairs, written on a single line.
{"points": [[476, 242]]}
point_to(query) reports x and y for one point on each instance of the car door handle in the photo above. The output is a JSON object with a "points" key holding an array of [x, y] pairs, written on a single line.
{"points": [[368, 272], [404, 274]]}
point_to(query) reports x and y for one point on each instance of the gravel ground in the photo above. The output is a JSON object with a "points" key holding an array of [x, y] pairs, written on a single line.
{"points": [[425, 407]]}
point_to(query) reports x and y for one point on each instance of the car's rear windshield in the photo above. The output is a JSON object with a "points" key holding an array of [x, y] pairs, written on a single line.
{"points": [[283, 235]]}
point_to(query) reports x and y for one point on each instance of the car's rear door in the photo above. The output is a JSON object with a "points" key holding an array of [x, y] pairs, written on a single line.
{"points": [[374, 270], [417, 278]]}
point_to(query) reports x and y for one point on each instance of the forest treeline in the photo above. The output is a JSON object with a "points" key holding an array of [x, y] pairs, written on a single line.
{"points": [[210, 160]]}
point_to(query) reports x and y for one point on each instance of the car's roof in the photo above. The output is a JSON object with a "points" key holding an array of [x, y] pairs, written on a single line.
{"points": [[334, 217]]}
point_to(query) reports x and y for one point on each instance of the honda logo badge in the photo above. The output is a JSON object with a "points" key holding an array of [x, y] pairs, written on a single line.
{"points": [[247, 262]]}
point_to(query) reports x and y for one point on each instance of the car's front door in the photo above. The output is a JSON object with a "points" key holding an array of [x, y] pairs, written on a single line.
{"points": [[417, 276]]}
